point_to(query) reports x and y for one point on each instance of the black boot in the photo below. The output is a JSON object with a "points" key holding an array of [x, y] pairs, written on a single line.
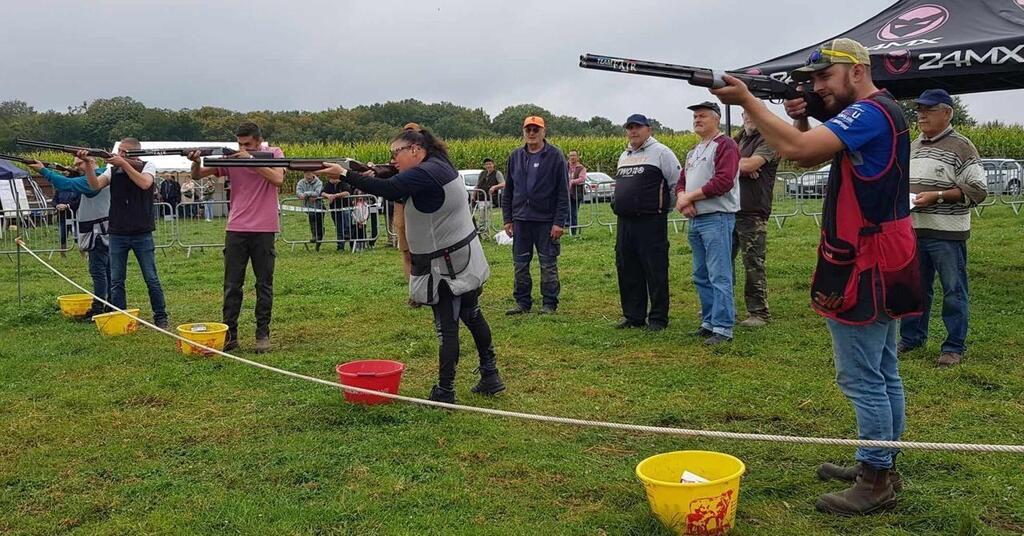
{"points": [[490, 383], [440, 394], [830, 471], [871, 493]]}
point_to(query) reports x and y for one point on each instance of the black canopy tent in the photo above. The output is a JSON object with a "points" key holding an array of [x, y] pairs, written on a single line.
{"points": [[962, 46]]}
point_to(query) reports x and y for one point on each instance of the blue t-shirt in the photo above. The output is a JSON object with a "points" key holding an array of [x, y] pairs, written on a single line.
{"points": [[865, 131]]}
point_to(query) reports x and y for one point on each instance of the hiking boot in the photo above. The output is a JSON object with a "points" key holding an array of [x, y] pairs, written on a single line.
{"points": [[627, 324], [703, 333], [490, 384], [262, 345], [517, 310], [163, 323], [948, 359], [716, 339], [655, 327], [754, 322], [871, 493], [547, 310], [230, 344], [831, 471], [440, 394]]}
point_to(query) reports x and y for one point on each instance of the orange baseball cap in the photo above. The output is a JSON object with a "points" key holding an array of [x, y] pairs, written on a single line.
{"points": [[534, 120]]}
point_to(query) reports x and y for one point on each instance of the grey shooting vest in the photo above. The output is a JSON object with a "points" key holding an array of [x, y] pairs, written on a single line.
{"points": [[92, 219], [444, 244]]}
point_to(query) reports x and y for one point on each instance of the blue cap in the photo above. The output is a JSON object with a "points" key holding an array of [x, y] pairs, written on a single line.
{"points": [[931, 97], [636, 119]]}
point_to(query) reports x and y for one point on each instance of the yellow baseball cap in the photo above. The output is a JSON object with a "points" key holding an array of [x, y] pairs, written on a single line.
{"points": [[840, 50]]}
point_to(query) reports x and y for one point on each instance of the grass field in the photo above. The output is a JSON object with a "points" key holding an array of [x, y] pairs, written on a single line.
{"points": [[125, 436]]}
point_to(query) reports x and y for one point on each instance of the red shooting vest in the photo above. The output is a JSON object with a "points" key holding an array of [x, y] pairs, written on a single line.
{"points": [[867, 257]]}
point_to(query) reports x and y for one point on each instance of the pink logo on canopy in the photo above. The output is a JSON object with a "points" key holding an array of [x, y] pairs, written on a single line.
{"points": [[755, 70], [915, 22], [898, 62], [1020, 4]]}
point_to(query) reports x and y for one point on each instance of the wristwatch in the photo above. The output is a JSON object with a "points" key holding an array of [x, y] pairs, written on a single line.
{"points": [[940, 200]]}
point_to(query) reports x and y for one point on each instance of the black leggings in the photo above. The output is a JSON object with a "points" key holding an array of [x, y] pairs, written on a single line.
{"points": [[447, 313]]}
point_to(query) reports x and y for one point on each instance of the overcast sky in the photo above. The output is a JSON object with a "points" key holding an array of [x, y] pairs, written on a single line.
{"points": [[319, 54]]}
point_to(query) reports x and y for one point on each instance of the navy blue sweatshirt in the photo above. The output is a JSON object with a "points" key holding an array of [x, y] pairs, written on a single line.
{"points": [[536, 186]]}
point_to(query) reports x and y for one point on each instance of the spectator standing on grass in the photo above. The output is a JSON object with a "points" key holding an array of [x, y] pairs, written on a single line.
{"points": [[309, 190], [251, 229], [947, 180], [491, 181], [708, 194], [535, 206], [758, 164], [335, 192], [645, 182], [577, 187], [170, 192], [66, 203]]}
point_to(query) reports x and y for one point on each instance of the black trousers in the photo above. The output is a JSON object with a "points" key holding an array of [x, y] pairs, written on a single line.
{"points": [[316, 226], [239, 250], [641, 257], [448, 311]]}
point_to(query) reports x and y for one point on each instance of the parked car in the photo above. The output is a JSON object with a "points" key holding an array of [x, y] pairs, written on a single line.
{"points": [[599, 187], [1003, 176], [810, 184], [470, 177]]}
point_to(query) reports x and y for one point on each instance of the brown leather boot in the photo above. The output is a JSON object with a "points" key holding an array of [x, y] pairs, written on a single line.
{"points": [[871, 493], [831, 471]]}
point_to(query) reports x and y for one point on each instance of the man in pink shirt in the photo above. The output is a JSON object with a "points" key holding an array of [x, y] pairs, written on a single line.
{"points": [[252, 225]]}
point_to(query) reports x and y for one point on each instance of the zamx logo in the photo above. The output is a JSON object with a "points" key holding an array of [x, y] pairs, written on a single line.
{"points": [[918, 21], [897, 61]]}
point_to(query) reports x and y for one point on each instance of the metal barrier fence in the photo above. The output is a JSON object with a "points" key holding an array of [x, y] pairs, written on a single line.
{"points": [[810, 191], [482, 208], [347, 220], [39, 228], [1013, 173], [194, 231], [164, 234], [785, 204]]}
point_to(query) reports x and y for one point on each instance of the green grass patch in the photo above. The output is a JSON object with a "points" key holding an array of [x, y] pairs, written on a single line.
{"points": [[124, 435]]}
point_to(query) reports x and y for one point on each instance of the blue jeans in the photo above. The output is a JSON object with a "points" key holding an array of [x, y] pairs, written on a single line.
{"points": [[99, 269], [208, 209], [711, 242], [145, 253], [948, 258], [867, 371]]}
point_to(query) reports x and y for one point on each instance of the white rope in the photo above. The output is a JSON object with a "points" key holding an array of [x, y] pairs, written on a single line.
{"points": [[713, 434]]}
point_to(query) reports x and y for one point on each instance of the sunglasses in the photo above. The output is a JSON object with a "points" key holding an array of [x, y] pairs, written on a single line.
{"points": [[818, 56], [396, 151], [531, 129]]}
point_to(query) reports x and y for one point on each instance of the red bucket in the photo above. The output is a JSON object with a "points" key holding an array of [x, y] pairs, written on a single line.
{"points": [[376, 374]]}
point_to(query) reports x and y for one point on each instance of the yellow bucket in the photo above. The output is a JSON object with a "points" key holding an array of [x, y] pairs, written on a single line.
{"points": [[211, 334], [117, 323], [704, 508], [74, 305]]}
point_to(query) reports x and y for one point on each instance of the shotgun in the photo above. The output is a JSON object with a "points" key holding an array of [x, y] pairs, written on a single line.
{"points": [[761, 86], [70, 172], [73, 149], [301, 164], [185, 151]]}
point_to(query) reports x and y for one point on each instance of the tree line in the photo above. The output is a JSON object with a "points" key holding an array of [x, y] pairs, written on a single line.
{"points": [[102, 122]]}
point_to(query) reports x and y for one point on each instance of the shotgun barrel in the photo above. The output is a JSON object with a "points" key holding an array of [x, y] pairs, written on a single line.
{"points": [[761, 86]]}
